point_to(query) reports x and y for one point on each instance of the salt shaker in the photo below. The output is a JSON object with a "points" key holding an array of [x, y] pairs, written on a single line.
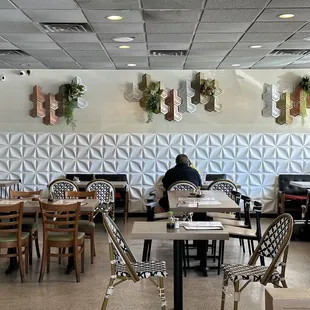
{"points": [[176, 223]]}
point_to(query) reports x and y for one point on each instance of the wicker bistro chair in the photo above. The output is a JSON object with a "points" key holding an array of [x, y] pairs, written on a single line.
{"points": [[60, 186], [11, 235], [86, 226], [105, 193], [60, 230], [124, 265], [274, 245], [30, 222], [224, 186]]}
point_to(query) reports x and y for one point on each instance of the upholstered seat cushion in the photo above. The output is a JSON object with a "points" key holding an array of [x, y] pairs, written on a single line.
{"points": [[13, 237], [295, 197], [29, 223], [64, 237], [143, 269], [237, 272], [86, 226]]}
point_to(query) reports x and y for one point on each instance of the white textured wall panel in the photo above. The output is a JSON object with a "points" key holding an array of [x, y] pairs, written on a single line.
{"points": [[252, 160]]}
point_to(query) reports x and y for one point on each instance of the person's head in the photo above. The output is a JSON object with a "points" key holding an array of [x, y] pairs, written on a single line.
{"points": [[182, 159]]}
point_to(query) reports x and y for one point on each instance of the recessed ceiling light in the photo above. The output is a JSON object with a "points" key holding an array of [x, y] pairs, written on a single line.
{"points": [[286, 15], [255, 46], [131, 65], [124, 46], [235, 65], [123, 39], [114, 17]]}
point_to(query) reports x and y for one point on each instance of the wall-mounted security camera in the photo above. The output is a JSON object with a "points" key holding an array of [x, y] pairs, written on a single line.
{"points": [[3, 78], [28, 72], [22, 73]]}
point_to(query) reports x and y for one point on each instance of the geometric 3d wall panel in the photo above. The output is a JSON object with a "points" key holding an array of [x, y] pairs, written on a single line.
{"points": [[270, 97], [252, 160]]}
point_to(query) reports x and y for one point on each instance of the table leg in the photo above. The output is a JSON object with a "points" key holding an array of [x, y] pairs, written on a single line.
{"points": [[178, 274]]}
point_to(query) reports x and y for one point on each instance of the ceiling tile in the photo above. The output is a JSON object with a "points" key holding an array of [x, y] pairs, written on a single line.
{"points": [[118, 27], [166, 66], [242, 59], [44, 53], [81, 46], [29, 38], [233, 4], [306, 28], [2, 39], [186, 16], [212, 46], [200, 65], [217, 37], [13, 16], [247, 53], [107, 37], [298, 65], [132, 59], [123, 53], [166, 59], [176, 4], [124, 64], [74, 37], [5, 4], [229, 16], [8, 27], [289, 4], [170, 27], [14, 58], [275, 61], [299, 36], [139, 67], [275, 27], [99, 16], [169, 38], [272, 15], [243, 65], [46, 4], [97, 65], [295, 45], [77, 54], [253, 37], [7, 46], [63, 65], [103, 58], [56, 16], [4, 65], [30, 65], [133, 46], [204, 52], [167, 46], [38, 46], [264, 45], [222, 27], [47, 60], [109, 4], [202, 58]]}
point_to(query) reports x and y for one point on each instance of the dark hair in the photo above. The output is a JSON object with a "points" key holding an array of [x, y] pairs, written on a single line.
{"points": [[182, 159]]}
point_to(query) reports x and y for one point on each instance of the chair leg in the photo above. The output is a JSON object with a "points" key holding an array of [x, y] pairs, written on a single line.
{"points": [[108, 293], [214, 250], [249, 246], [162, 295], [43, 262], [184, 259], [48, 260], [236, 295], [242, 243], [252, 245], [224, 288], [30, 248], [76, 267], [82, 257], [37, 243], [26, 259], [146, 248], [92, 247], [21, 265], [187, 252], [59, 258], [284, 284]]}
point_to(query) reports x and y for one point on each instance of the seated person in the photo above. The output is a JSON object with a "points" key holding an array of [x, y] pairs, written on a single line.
{"points": [[182, 171]]}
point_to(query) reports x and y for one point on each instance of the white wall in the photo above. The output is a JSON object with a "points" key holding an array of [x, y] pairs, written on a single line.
{"points": [[108, 111], [112, 136]]}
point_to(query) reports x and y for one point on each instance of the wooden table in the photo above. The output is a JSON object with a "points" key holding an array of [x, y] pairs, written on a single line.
{"points": [[32, 206], [159, 231], [5, 185], [300, 184]]}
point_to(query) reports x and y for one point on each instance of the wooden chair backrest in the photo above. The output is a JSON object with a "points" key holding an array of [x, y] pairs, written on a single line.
{"points": [[73, 194], [24, 194], [11, 219]]}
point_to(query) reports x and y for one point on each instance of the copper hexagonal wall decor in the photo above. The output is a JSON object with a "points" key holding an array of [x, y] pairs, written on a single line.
{"points": [[173, 102], [37, 98]]}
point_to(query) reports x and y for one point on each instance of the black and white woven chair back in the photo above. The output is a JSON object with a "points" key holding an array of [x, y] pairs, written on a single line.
{"points": [[116, 237], [59, 187], [104, 190], [277, 236], [183, 186], [223, 186]]}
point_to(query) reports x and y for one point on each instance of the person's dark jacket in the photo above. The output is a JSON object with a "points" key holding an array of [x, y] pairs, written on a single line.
{"points": [[181, 172]]}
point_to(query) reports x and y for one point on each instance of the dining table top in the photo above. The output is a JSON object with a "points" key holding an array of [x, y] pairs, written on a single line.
{"points": [[6, 183], [116, 184], [159, 231], [32, 205], [211, 201]]}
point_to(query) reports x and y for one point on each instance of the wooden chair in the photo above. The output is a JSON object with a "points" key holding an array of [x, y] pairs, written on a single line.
{"points": [[86, 226], [105, 193], [125, 267], [60, 230], [274, 245], [30, 221], [60, 186], [11, 235]]}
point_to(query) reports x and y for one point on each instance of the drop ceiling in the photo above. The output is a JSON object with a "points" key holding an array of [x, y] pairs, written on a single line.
{"points": [[215, 34]]}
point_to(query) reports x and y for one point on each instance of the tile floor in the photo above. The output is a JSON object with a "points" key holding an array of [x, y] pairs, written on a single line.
{"points": [[60, 291]]}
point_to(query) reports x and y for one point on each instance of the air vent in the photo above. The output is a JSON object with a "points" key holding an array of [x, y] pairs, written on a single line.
{"points": [[289, 52], [13, 53], [173, 53], [61, 27]]}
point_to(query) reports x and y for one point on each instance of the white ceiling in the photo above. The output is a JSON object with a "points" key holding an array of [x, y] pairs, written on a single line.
{"points": [[215, 33]]}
